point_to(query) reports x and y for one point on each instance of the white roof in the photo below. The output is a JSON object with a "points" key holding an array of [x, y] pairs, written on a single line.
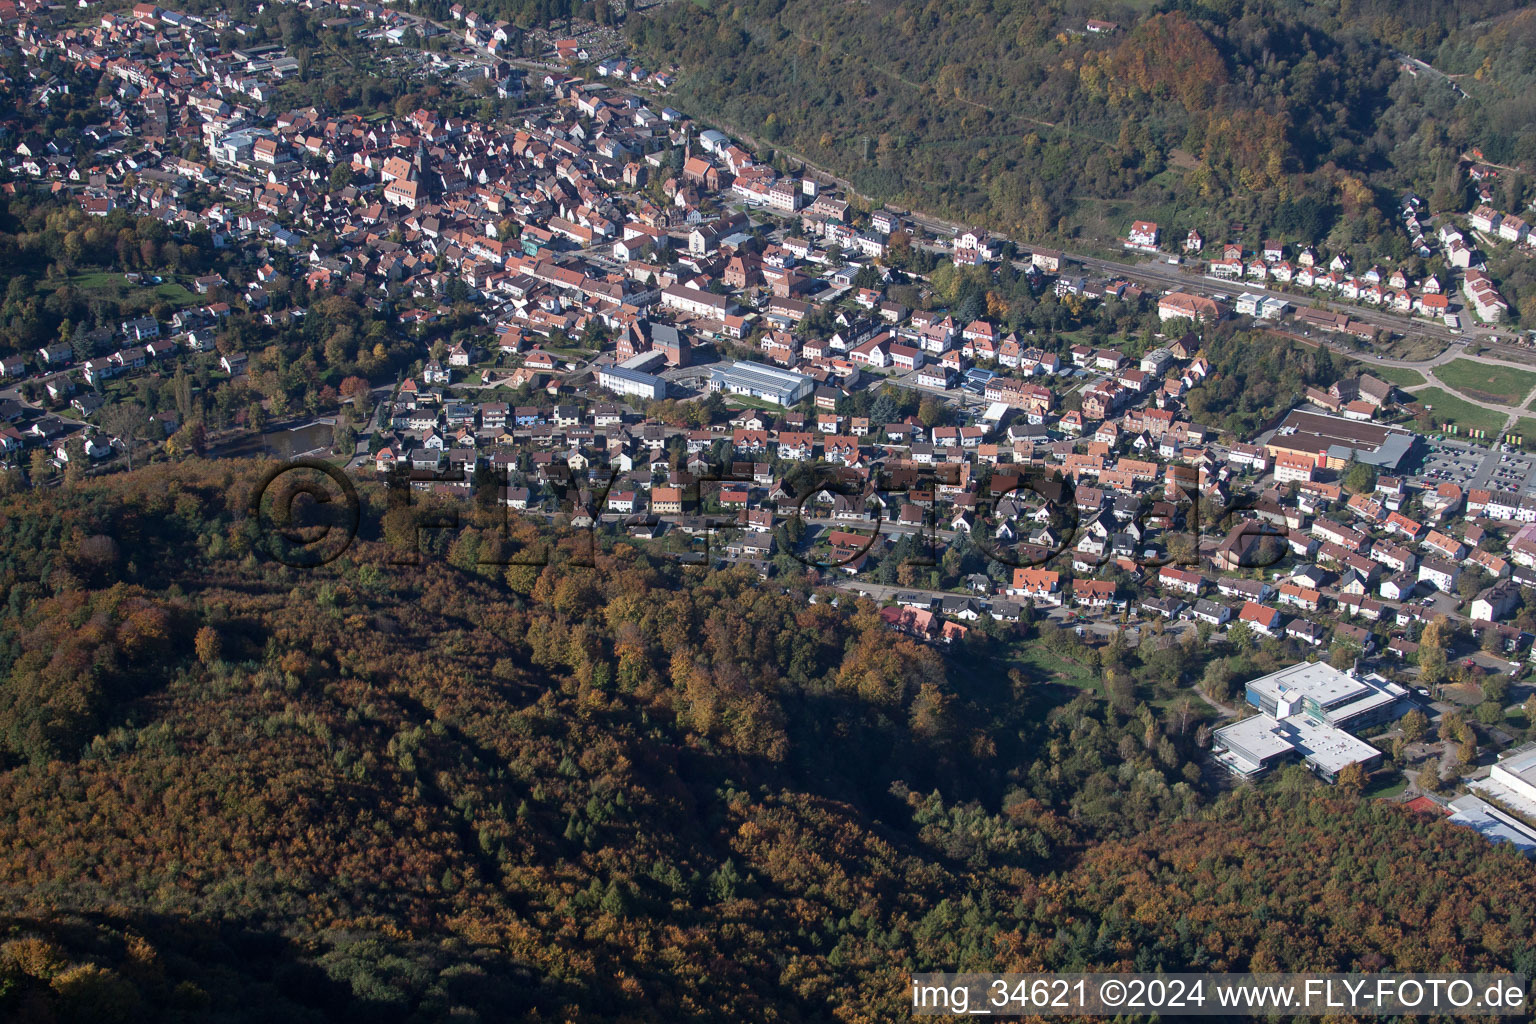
{"points": [[1492, 823], [1329, 748], [995, 412], [1368, 701], [1318, 680], [1256, 735], [1521, 765]]}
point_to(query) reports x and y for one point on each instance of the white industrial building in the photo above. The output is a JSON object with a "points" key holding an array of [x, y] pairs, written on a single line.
{"points": [[1516, 773], [769, 383], [623, 380], [1511, 783], [1495, 825]]}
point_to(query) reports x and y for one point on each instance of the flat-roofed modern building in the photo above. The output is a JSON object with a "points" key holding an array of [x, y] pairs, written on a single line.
{"points": [[1517, 772], [1257, 744], [771, 384], [645, 362], [1252, 746], [1326, 694], [1511, 783], [1496, 825], [1306, 711], [624, 381]]}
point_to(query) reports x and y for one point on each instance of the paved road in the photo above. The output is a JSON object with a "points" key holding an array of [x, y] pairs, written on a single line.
{"points": [[1427, 368], [1155, 272], [1432, 71], [14, 393], [1164, 277], [1159, 273], [1093, 623], [381, 397], [1175, 277]]}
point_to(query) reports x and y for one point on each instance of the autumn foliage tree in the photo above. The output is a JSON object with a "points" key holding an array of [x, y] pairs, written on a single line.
{"points": [[237, 789], [207, 645]]}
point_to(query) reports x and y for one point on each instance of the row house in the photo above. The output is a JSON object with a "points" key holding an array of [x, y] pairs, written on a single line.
{"points": [[1394, 557], [796, 445], [1400, 525], [1211, 612], [1302, 597], [1256, 591], [1444, 546], [1328, 530], [1096, 594], [1439, 573], [1489, 563], [1363, 507]]}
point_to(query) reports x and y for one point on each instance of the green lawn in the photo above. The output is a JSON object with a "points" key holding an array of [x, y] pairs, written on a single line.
{"points": [[1039, 663], [1402, 376], [1525, 429], [115, 286], [1492, 383], [99, 279], [1386, 786], [1448, 408]]}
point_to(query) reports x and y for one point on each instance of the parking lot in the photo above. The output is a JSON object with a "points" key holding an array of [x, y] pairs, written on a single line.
{"points": [[1469, 465], [1508, 471]]}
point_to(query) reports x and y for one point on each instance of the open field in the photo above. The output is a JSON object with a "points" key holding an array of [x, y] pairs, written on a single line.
{"points": [[116, 286], [1410, 348], [748, 402], [1448, 408], [570, 353], [1041, 664], [1489, 383]]}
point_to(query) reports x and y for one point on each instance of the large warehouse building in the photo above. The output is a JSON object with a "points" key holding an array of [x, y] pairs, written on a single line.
{"points": [[771, 384], [1333, 442]]}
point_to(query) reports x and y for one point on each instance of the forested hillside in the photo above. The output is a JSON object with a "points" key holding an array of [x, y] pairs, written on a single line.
{"points": [[1497, 56], [1285, 117], [636, 792]]}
